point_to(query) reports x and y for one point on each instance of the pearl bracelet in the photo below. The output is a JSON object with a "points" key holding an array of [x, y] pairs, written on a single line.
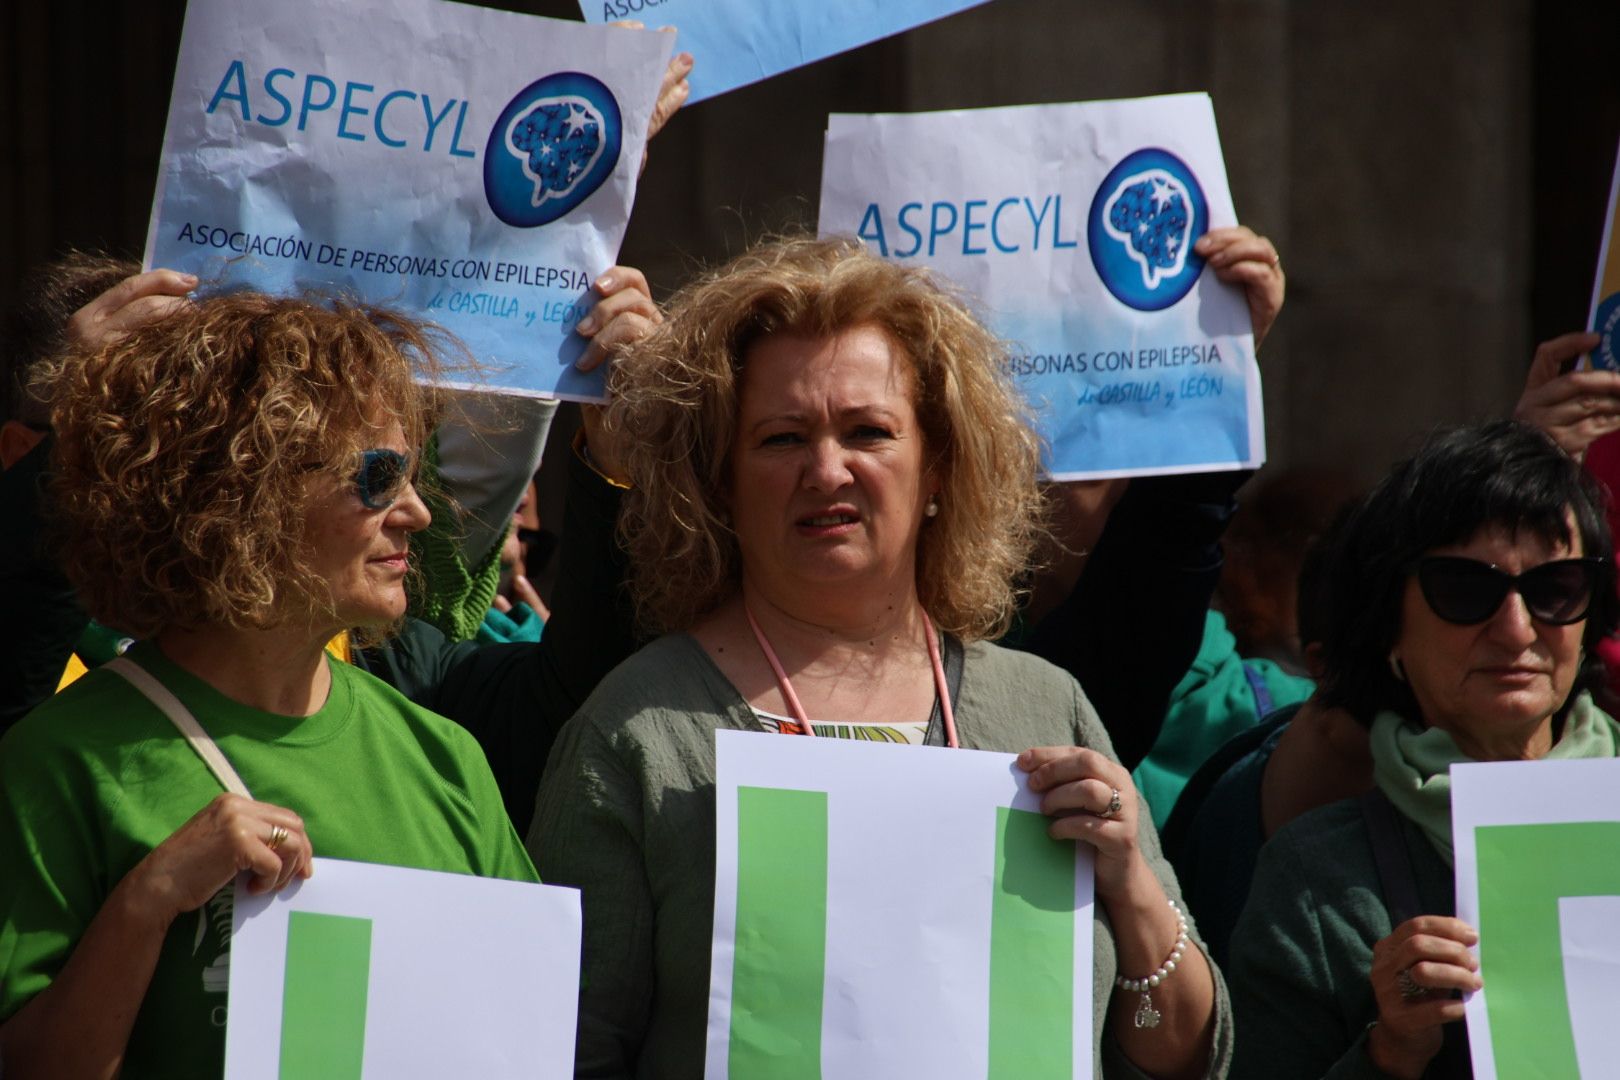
{"points": [[1146, 1015]]}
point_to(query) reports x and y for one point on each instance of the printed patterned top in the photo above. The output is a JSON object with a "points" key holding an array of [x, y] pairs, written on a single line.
{"points": [[909, 733]]}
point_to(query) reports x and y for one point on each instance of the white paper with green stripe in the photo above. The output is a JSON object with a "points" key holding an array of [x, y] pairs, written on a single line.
{"points": [[1538, 875], [892, 911], [368, 972]]}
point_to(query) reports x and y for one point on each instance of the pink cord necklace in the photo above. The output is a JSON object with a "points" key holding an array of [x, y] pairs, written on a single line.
{"points": [[782, 682]]}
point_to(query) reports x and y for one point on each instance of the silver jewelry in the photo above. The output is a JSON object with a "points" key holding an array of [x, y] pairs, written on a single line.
{"points": [[278, 834], [932, 509], [1114, 805], [1146, 1015], [1408, 986]]}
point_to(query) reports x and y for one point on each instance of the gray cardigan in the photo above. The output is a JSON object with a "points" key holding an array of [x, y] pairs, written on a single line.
{"points": [[627, 810], [1302, 949]]}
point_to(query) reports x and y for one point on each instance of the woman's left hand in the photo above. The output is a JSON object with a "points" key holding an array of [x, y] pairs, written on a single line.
{"points": [[1240, 256], [625, 314], [1414, 970], [1575, 408], [1092, 798]]}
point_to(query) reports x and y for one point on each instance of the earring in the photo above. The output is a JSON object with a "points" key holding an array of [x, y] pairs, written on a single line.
{"points": [[932, 509], [1395, 667]]}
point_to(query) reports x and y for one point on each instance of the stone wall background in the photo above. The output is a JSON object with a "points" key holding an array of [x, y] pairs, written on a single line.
{"points": [[1433, 171]]}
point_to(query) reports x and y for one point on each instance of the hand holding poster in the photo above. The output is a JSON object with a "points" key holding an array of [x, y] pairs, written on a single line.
{"points": [[1073, 227], [1538, 875], [1605, 317], [378, 971], [737, 42], [469, 166], [957, 946]]}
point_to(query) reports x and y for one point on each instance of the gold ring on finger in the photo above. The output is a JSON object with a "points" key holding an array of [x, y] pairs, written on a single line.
{"points": [[278, 834]]}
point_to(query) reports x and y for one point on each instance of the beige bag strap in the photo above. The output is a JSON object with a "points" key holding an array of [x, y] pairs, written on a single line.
{"points": [[181, 717]]}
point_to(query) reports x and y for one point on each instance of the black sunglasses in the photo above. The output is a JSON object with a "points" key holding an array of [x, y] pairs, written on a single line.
{"points": [[381, 477], [1468, 592]]}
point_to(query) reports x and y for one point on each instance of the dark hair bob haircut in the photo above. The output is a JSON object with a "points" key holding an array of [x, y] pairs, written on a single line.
{"points": [[1503, 475]]}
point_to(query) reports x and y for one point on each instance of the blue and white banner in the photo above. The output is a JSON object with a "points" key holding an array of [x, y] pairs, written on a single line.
{"points": [[470, 166], [1072, 227], [737, 42]]}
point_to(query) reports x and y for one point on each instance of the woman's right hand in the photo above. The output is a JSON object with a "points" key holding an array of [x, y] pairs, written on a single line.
{"points": [[229, 835], [80, 1024], [1433, 953]]}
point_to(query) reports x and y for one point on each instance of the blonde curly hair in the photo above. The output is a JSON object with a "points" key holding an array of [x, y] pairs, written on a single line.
{"points": [[675, 395], [184, 449]]}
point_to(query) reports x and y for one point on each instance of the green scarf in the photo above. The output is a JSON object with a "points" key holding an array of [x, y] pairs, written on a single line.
{"points": [[1413, 765]]}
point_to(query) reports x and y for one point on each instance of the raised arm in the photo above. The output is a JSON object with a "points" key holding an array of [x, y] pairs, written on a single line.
{"points": [[515, 698], [1132, 625]]}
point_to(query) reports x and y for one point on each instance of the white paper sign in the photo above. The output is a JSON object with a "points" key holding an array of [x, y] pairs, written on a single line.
{"points": [[893, 911], [1538, 875], [393, 974], [470, 166], [1072, 226]]}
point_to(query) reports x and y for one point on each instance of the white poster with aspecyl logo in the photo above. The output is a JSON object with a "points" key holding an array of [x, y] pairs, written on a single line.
{"points": [[1072, 228], [469, 166]]}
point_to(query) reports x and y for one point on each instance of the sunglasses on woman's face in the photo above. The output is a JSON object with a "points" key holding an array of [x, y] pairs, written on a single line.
{"points": [[1468, 592], [381, 478]]}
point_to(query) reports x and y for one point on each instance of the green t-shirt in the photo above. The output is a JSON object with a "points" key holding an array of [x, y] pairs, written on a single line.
{"points": [[1214, 701], [96, 777]]}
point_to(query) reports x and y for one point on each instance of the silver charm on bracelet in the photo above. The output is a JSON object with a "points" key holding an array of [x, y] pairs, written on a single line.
{"points": [[1146, 1015]]}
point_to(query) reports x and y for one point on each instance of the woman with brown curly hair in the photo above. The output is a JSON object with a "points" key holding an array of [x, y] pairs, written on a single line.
{"points": [[233, 484], [833, 487]]}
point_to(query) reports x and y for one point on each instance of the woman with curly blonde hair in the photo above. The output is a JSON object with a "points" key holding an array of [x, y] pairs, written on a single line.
{"points": [[233, 485], [833, 489]]}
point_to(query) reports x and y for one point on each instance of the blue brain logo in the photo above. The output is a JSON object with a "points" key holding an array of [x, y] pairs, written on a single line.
{"points": [[558, 141], [1148, 213], [552, 146], [1606, 357], [1144, 220]]}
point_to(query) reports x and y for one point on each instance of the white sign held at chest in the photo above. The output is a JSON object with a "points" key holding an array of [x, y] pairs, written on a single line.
{"points": [[894, 911], [369, 972]]}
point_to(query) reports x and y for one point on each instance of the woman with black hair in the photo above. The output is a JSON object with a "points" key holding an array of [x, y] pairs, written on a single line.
{"points": [[1467, 593]]}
